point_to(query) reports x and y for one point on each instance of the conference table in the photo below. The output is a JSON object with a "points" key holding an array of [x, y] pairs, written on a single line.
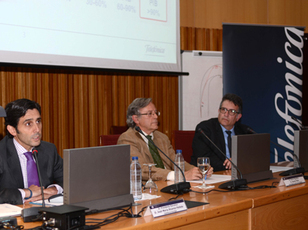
{"points": [[266, 208]]}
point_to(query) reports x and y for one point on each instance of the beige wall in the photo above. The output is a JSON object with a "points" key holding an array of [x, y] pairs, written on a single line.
{"points": [[212, 13]]}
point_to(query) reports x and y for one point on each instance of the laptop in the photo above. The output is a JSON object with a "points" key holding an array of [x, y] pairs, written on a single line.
{"points": [[301, 148], [251, 154], [97, 177]]}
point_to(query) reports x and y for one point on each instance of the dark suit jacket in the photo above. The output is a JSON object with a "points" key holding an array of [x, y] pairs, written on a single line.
{"points": [[203, 148], [50, 164], [140, 149]]}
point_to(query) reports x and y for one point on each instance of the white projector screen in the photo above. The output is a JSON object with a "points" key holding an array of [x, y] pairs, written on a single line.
{"points": [[104, 34]]}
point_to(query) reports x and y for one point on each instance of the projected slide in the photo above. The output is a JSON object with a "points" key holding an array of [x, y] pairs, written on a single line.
{"points": [[133, 30]]}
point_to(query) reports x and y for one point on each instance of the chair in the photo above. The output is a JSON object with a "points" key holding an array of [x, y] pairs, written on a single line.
{"points": [[118, 129], [182, 139], [108, 139]]}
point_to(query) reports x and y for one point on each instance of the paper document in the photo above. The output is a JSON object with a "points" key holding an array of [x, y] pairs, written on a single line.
{"points": [[54, 202], [279, 168], [215, 178], [9, 210]]}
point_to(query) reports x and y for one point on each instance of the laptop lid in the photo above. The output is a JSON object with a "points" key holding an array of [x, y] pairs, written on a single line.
{"points": [[97, 177], [301, 148], [251, 154]]}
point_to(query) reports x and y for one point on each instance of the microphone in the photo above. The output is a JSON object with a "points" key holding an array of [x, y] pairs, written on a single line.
{"points": [[250, 130], [291, 171], [233, 184], [178, 188], [299, 122], [32, 214], [35, 152]]}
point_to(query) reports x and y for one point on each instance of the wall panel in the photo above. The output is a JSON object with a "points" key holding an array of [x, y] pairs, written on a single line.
{"points": [[212, 13], [77, 107]]}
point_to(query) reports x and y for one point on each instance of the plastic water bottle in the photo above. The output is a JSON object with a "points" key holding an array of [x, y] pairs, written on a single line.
{"points": [[179, 160], [135, 179]]}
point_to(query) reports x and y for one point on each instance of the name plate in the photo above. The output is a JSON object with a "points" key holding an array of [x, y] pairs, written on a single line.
{"points": [[292, 180], [166, 208]]}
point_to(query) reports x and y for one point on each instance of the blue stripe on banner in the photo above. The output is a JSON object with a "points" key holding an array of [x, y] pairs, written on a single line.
{"points": [[263, 65]]}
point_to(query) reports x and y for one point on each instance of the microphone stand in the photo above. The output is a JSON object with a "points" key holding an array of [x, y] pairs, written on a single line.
{"points": [[32, 214], [34, 152], [300, 123], [233, 184], [178, 188]]}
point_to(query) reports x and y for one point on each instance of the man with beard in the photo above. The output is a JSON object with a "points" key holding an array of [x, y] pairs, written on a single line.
{"points": [[18, 170]]}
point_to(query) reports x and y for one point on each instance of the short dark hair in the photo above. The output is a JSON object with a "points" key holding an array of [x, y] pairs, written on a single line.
{"points": [[233, 98], [17, 109], [133, 109]]}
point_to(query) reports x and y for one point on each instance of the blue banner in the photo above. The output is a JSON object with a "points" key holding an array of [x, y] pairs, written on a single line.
{"points": [[263, 65]]}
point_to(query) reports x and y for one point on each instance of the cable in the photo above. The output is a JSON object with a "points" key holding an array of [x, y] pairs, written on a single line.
{"points": [[174, 198], [9, 226], [240, 189], [113, 218]]}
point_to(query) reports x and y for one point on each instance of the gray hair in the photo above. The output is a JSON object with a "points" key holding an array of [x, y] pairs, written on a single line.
{"points": [[233, 98], [133, 109]]}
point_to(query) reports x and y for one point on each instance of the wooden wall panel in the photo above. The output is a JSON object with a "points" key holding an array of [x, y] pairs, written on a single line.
{"points": [[201, 39], [212, 13], [288, 12], [77, 107]]}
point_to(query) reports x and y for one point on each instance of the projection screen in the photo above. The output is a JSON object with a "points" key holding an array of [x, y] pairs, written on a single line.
{"points": [[104, 34]]}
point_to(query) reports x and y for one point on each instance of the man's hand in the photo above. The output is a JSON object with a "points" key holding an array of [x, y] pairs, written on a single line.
{"points": [[36, 191], [209, 172], [48, 192], [227, 164], [195, 174]]}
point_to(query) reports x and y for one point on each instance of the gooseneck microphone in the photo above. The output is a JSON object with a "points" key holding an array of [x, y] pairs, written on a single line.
{"points": [[299, 122], [233, 184], [32, 214], [178, 188], [35, 152]]}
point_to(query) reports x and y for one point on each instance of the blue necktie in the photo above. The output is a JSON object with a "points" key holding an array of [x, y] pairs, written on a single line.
{"points": [[229, 141]]}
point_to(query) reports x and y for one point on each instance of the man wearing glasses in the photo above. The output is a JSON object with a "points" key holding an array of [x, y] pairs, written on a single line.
{"points": [[142, 113], [219, 130]]}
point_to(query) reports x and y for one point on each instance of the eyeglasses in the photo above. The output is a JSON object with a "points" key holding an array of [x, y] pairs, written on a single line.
{"points": [[232, 112], [151, 113]]}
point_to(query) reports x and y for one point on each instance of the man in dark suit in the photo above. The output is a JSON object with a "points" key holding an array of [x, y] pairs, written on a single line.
{"points": [[18, 184], [229, 113]]}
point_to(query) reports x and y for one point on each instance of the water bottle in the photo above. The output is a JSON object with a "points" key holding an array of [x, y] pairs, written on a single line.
{"points": [[179, 160], [135, 179]]}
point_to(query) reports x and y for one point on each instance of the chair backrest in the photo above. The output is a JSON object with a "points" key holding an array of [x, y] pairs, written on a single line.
{"points": [[182, 139], [117, 129], [108, 139]]}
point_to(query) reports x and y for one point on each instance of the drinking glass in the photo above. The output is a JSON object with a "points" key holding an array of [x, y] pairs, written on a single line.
{"points": [[203, 164], [150, 186]]}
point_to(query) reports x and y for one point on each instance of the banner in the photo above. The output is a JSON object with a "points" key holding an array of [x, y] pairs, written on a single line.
{"points": [[263, 65]]}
